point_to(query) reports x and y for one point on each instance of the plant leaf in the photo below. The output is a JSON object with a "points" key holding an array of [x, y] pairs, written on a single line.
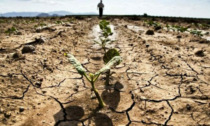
{"points": [[112, 63], [77, 65], [110, 54]]}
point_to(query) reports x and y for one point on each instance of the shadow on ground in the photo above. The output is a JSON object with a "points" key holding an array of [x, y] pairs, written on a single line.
{"points": [[112, 96], [74, 116]]}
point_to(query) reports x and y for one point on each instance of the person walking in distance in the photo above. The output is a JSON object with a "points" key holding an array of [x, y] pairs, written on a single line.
{"points": [[101, 7]]}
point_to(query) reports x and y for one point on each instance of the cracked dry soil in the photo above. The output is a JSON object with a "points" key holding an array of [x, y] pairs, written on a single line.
{"points": [[161, 81]]}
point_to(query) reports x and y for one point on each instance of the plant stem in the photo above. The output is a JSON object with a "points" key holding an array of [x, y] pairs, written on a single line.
{"points": [[101, 102], [107, 77]]}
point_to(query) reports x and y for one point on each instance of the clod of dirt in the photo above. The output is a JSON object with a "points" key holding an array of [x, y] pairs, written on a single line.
{"points": [[179, 36], [16, 55], [21, 109], [1, 110], [38, 84], [200, 53], [158, 28], [28, 49], [177, 48], [147, 45], [19, 33], [150, 32], [190, 90], [188, 107], [68, 25], [46, 28], [199, 40], [7, 114], [130, 44], [37, 41], [96, 58]]}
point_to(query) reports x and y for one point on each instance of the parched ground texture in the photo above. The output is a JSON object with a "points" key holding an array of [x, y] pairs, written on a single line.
{"points": [[161, 81]]}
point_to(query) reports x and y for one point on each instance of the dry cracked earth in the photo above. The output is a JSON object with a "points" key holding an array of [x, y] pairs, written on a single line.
{"points": [[161, 81]]}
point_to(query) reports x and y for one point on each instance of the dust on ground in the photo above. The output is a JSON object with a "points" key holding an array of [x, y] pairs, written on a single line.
{"points": [[163, 80]]}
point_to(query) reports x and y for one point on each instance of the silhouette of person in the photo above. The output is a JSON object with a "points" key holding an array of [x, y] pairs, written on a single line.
{"points": [[101, 7]]}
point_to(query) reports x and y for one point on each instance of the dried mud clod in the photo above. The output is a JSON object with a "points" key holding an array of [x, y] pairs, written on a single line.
{"points": [[200, 53], [150, 32], [28, 49]]}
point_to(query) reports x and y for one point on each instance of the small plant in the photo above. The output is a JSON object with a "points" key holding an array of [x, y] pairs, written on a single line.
{"points": [[156, 25], [59, 22], [196, 32], [11, 30], [40, 25], [107, 57], [181, 29], [92, 78], [168, 27], [106, 32]]}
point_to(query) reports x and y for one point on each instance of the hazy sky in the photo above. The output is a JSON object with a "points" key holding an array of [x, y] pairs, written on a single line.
{"points": [[184, 8]]}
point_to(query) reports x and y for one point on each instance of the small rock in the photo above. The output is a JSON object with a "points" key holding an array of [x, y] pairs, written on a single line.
{"points": [[19, 33], [7, 114], [1, 110], [16, 55], [21, 109], [177, 48], [76, 89], [179, 36], [16, 90], [147, 45], [150, 32], [93, 96], [39, 40], [44, 92], [200, 53], [188, 107], [41, 79], [28, 49], [157, 28], [38, 84], [13, 120], [130, 44], [96, 58]]}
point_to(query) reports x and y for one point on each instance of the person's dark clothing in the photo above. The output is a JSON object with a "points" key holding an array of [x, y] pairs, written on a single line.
{"points": [[100, 12]]}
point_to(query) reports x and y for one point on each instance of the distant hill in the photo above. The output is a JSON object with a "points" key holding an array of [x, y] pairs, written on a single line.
{"points": [[42, 14], [23, 14]]}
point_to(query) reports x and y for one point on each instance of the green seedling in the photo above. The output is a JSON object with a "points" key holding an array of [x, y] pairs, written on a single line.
{"points": [[181, 29], [59, 22], [106, 32], [11, 30], [107, 57], [92, 78], [71, 20], [168, 27], [196, 32], [156, 25], [42, 24]]}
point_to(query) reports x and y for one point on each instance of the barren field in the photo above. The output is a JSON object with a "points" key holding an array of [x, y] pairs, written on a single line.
{"points": [[164, 78]]}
